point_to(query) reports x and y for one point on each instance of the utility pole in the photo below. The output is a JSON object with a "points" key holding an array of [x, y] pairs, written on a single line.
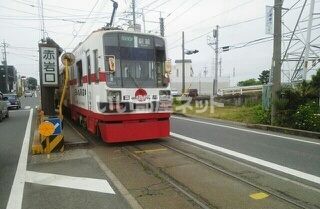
{"points": [[215, 81], [276, 60], [5, 45], [161, 26], [183, 66], [306, 53], [134, 14], [220, 67], [143, 20]]}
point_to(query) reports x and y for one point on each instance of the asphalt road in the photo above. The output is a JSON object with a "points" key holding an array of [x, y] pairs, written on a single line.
{"points": [[12, 131], [293, 154]]}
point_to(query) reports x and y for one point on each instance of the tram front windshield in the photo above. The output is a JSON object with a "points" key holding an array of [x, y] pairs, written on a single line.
{"points": [[139, 60]]}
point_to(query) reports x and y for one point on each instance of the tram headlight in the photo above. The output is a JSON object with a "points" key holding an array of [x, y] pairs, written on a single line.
{"points": [[113, 95], [164, 94], [168, 66]]}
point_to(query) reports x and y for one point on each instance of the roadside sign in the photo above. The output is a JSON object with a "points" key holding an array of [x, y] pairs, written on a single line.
{"points": [[46, 128], [51, 126], [49, 66], [57, 125]]}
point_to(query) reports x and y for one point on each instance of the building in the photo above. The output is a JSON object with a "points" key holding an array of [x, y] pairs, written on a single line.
{"points": [[8, 80], [202, 81]]}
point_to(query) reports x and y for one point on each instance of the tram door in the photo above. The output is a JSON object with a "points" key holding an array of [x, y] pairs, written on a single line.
{"points": [[89, 80]]}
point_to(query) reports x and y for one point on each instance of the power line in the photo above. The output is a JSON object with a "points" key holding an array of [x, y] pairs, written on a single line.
{"points": [[161, 4], [185, 11], [147, 5], [248, 43], [77, 32], [179, 6], [52, 5], [214, 16]]}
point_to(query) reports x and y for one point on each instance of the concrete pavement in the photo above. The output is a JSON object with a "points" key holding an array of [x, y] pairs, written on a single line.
{"points": [[73, 179]]}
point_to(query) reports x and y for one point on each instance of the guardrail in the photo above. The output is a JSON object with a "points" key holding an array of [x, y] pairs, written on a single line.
{"points": [[240, 90]]}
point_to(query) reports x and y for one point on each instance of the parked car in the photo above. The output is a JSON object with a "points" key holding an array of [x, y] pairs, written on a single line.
{"points": [[13, 101], [4, 112], [193, 92], [174, 93], [28, 94]]}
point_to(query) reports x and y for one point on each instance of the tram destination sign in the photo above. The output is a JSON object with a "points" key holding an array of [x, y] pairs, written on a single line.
{"points": [[49, 66]]}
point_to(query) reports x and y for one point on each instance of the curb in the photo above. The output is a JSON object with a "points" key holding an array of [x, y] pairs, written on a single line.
{"points": [[290, 131], [296, 132], [70, 145]]}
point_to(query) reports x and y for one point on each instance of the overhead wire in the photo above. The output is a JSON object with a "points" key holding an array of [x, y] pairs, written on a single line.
{"points": [[77, 32], [214, 16], [185, 11]]}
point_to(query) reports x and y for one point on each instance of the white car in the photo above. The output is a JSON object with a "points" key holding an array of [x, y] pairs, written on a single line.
{"points": [[28, 94], [174, 93]]}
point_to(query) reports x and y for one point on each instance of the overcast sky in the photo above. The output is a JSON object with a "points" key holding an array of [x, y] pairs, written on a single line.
{"points": [[69, 22]]}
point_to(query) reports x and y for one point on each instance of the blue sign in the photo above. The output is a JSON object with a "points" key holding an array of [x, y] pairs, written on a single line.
{"points": [[57, 125]]}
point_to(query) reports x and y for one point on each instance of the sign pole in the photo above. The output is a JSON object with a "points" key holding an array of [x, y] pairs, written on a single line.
{"points": [[49, 74]]}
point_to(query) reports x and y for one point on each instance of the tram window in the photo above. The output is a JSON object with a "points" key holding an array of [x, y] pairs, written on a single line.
{"points": [[96, 67], [80, 73], [88, 67]]}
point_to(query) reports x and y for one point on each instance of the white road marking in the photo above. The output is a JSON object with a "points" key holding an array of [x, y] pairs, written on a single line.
{"points": [[27, 107], [16, 194], [15, 111], [88, 184], [246, 130], [283, 169]]}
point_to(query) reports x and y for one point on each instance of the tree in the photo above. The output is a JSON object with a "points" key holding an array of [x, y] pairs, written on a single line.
{"points": [[249, 82], [32, 83], [264, 76], [315, 81]]}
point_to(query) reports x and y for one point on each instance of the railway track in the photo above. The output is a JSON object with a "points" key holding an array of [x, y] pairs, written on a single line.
{"points": [[198, 200]]}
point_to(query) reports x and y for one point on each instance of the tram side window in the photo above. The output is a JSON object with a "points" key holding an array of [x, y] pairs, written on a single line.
{"points": [[88, 67], [160, 59], [80, 73], [96, 67]]}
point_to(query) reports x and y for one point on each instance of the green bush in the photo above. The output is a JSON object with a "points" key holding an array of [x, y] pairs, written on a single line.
{"points": [[261, 115], [307, 117]]}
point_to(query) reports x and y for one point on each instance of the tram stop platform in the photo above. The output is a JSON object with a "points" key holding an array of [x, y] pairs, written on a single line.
{"points": [[73, 179], [72, 137]]}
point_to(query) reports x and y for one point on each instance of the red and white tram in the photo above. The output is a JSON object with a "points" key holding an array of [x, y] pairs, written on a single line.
{"points": [[119, 86]]}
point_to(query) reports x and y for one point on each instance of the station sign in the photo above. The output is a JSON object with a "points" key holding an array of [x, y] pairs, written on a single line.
{"points": [[49, 66], [269, 20]]}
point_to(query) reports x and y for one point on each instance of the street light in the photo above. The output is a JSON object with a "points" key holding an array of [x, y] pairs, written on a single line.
{"points": [[188, 52]]}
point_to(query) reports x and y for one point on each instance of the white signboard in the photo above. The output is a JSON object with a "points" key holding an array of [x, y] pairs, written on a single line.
{"points": [[269, 20], [49, 66]]}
